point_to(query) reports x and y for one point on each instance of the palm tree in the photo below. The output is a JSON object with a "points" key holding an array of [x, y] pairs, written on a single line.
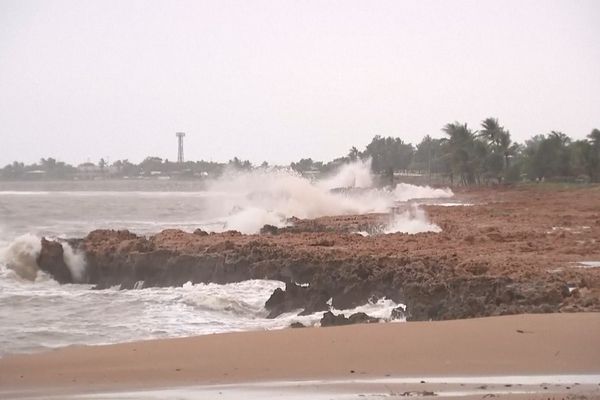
{"points": [[460, 147], [492, 131]]}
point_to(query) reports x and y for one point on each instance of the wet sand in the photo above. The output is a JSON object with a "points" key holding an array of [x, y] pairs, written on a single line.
{"points": [[549, 344]]}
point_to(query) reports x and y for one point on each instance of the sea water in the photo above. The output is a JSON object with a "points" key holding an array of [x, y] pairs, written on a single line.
{"points": [[37, 313]]}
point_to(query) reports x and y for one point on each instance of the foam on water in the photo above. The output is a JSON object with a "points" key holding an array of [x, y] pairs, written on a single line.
{"points": [[253, 198], [43, 314], [239, 200], [20, 256], [36, 312], [257, 197]]}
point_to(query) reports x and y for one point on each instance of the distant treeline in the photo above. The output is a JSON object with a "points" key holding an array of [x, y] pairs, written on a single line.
{"points": [[488, 155], [463, 156]]}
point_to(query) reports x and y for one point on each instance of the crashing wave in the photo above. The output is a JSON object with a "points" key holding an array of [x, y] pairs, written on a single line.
{"points": [[20, 256]]}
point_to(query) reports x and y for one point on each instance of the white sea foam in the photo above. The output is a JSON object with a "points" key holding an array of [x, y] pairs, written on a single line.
{"points": [[36, 312], [44, 314], [75, 261], [21, 255], [251, 199], [257, 197]]}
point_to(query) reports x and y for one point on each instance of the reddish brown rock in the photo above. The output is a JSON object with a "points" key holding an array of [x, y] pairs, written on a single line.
{"points": [[509, 253]]}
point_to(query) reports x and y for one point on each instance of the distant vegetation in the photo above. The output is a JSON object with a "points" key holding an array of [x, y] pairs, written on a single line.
{"points": [[467, 157], [463, 156]]}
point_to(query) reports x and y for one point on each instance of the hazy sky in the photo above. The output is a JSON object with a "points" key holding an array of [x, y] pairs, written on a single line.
{"points": [[278, 80]]}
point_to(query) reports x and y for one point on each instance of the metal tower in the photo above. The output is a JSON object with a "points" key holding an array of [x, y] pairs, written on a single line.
{"points": [[180, 136]]}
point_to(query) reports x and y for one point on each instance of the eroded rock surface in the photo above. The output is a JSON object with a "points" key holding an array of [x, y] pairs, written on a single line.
{"points": [[513, 251], [51, 260]]}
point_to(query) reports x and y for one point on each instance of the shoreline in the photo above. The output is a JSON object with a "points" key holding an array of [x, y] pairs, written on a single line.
{"points": [[528, 344]]}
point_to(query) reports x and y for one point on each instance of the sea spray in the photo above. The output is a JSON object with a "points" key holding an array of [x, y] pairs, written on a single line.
{"points": [[411, 221], [21, 256], [247, 200], [351, 175], [406, 192], [250, 199], [75, 261], [22, 253]]}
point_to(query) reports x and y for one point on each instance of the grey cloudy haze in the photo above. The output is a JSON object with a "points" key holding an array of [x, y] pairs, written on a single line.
{"points": [[280, 80]]}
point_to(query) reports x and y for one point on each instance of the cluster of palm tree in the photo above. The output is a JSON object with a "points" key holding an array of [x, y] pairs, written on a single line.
{"points": [[475, 157], [469, 157]]}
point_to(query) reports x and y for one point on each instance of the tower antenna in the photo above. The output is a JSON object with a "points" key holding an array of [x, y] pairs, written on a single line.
{"points": [[180, 136]]}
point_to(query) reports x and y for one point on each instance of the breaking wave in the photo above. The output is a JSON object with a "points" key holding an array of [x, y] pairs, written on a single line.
{"points": [[48, 315], [253, 199], [250, 199], [20, 256], [352, 175]]}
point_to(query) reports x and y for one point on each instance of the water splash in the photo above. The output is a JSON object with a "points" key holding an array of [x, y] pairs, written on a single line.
{"points": [[414, 220]]}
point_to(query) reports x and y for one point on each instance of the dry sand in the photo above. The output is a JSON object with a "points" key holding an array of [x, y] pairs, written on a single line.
{"points": [[510, 345]]}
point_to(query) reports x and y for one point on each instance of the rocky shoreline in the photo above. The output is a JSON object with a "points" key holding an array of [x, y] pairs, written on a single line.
{"points": [[513, 251]]}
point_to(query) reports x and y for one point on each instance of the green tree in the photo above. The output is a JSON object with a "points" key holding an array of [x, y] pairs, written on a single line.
{"points": [[353, 154], [388, 154], [586, 156], [549, 157], [500, 147], [460, 151], [306, 164]]}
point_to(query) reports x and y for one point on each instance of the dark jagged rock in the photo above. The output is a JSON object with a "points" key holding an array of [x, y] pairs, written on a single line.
{"points": [[362, 318], [297, 325], [52, 261], [330, 319], [398, 313], [296, 297]]}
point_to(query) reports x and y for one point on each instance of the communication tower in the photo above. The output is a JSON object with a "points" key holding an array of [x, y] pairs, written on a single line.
{"points": [[180, 136]]}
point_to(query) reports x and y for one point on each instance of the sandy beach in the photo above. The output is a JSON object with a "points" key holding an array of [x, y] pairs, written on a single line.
{"points": [[552, 344]]}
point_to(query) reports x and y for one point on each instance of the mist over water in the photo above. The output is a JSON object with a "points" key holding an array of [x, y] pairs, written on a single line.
{"points": [[249, 200], [36, 312], [238, 200]]}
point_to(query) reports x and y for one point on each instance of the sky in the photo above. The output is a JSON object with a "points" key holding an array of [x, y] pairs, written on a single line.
{"points": [[281, 80]]}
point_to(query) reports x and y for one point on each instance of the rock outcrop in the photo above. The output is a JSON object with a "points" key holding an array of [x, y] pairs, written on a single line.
{"points": [[498, 257], [330, 319], [51, 260]]}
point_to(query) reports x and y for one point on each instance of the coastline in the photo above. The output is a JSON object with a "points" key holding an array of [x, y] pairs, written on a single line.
{"points": [[541, 344]]}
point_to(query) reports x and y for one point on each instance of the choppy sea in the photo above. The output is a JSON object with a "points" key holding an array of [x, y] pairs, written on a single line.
{"points": [[37, 313]]}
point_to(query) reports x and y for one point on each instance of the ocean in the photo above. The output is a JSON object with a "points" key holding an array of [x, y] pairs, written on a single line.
{"points": [[37, 313]]}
